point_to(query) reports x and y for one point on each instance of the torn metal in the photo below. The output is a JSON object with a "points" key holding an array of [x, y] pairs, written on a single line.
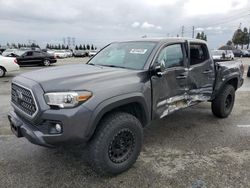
{"points": [[178, 102]]}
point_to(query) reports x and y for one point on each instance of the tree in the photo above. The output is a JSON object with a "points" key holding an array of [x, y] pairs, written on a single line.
{"points": [[76, 48], [13, 45], [33, 45], [88, 47], [238, 38], [198, 36], [67, 47], [80, 47], [229, 43], [201, 36], [245, 36], [205, 37], [92, 47], [84, 47]]}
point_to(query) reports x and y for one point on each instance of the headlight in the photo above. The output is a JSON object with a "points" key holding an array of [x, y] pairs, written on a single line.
{"points": [[67, 99]]}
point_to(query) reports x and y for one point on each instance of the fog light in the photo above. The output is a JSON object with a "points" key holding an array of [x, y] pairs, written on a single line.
{"points": [[58, 128]]}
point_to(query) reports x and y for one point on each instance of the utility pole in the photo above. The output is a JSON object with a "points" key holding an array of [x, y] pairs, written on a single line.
{"points": [[182, 31], [73, 41], [193, 32]]}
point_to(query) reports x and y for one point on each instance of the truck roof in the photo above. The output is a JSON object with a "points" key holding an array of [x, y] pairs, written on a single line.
{"points": [[170, 40]]}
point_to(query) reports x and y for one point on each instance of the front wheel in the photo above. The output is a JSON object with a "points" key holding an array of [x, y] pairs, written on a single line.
{"points": [[223, 104], [2, 72], [46, 62], [116, 144]]}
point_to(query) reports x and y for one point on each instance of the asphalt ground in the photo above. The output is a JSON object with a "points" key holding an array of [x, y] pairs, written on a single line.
{"points": [[190, 148]]}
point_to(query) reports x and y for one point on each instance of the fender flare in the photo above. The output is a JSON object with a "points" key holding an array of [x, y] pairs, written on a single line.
{"points": [[115, 102], [225, 81]]}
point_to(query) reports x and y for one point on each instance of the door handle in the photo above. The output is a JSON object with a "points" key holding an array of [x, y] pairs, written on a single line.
{"points": [[207, 71], [181, 76]]}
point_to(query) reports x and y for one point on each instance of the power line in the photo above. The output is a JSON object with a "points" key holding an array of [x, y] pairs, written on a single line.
{"points": [[226, 21]]}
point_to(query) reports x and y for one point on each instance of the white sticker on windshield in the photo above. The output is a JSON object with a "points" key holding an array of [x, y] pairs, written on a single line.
{"points": [[138, 51]]}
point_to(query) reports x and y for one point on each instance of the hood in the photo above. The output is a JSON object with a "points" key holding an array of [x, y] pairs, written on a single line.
{"points": [[79, 77]]}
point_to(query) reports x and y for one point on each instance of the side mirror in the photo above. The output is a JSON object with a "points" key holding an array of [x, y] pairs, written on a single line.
{"points": [[159, 68], [158, 71]]}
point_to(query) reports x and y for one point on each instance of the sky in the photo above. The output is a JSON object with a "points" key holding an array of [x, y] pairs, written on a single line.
{"points": [[103, 21]]}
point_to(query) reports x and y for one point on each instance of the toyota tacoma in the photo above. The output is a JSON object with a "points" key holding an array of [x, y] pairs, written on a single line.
{"points": [[106, 103]]}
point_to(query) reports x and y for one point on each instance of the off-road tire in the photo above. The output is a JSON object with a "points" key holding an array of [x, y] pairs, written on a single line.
{"points": [[223, 104], [101, 156]]}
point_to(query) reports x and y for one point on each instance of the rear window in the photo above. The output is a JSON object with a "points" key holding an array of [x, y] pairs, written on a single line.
{"points": [[198, 53]]}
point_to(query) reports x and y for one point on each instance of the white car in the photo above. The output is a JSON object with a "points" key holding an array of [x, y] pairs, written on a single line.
{"points": [[230, 54], [92, 53], [223, 54], [245, 53], [52, 52], [8, 64], [218, 54], [69, 53], [61, 54], [9, 51]]}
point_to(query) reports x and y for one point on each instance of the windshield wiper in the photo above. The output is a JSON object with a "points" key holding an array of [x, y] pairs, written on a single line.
{"points": [[93, 64], [113, 66]]}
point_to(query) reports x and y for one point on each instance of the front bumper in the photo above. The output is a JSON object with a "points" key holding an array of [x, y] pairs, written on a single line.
{"points": [[53, 61], [74, 127], [20, 129]]}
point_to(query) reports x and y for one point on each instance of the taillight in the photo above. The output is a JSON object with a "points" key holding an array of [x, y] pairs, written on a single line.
{"points": [[15, 61]]}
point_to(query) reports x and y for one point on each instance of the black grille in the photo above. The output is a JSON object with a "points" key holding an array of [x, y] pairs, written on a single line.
{"points": [[23, 99]]}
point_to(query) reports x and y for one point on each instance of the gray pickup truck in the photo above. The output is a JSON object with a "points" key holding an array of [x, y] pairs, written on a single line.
{"points": [[106, 103]]}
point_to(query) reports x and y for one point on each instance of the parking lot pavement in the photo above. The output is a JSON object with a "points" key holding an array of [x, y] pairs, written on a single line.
{"points": [[190, 148]]}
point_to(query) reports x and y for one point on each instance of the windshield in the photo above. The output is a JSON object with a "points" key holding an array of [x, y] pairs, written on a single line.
{"points": [[131, 55], [19, 52]]}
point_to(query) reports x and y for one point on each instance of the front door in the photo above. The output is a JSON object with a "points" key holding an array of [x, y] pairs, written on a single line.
{"points": [[26, 58], [169, 90]]}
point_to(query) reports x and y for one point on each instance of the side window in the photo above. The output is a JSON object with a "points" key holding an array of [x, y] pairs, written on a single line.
{"points": [[29, 53], [171, 56], [198, 54]]}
